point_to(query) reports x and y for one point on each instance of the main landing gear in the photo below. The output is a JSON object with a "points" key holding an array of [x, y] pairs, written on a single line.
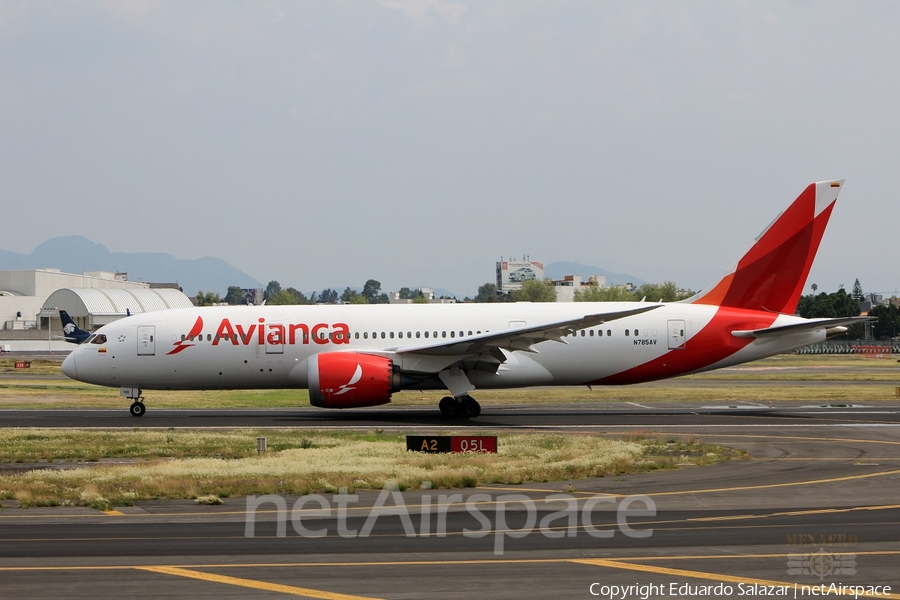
{"points": [[460, 404], [465, 407]]}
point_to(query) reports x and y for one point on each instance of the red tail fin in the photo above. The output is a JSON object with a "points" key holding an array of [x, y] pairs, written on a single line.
{"points": [[772, 274]]}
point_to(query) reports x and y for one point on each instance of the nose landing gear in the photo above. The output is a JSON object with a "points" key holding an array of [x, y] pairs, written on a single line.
{"points": [[137, 407]]}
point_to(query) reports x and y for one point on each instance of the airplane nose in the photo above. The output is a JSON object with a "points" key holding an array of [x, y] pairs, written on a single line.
{"points": [[68, 366]]}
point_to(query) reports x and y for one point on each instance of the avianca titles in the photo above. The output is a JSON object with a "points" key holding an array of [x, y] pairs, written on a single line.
{"points": [[359, 355]]}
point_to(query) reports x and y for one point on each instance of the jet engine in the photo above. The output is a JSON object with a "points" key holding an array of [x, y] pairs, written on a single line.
{"points": [[350, 380]]}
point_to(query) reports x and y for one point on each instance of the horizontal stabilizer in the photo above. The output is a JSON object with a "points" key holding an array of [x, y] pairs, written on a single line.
{"points": [[810, 325]]}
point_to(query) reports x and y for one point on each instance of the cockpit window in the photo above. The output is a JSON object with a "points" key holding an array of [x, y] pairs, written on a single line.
{"points": [[99, 339], [92, 336]]}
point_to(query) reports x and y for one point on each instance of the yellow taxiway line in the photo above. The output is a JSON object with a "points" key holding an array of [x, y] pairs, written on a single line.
{"points": [[254, 584]]}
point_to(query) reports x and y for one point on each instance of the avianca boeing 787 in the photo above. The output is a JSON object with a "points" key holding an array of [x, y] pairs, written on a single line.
{"points": [[358, 355]]}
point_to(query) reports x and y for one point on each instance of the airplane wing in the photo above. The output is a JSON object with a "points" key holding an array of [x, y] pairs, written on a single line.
{"points": [[519, 338], [810, 325]]}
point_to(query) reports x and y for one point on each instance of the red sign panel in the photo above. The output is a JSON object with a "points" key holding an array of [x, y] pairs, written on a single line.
{"points": [[452, 443], [474, 443]]}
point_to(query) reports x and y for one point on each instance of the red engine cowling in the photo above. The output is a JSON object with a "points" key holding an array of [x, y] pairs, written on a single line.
{"points": [[349, 380]]}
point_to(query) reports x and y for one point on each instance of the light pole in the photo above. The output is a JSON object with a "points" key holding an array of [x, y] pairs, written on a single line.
{"points": [[49, 310]]}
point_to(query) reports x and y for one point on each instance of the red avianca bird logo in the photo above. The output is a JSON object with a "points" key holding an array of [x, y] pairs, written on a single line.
{"points": [[185, 343]]}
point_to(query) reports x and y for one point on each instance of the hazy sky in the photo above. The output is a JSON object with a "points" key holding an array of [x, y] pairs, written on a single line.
{"points": [[326, 143]]}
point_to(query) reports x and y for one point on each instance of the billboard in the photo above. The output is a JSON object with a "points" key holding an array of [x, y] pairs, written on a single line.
{"points": [[511, 275]]}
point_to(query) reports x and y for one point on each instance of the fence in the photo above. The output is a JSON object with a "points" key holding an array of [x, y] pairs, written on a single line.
{"points": [[864, 347]]}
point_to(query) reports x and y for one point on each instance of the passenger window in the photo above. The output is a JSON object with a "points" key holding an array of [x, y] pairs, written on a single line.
{"points": [[392, 335], [418, 333], [470, 333], [592, 333], [582, 333], [443, 334], [426, 334], [626, 332], [365, 335], [382, 335], [453, 334], [609, 332], [600, 333]]}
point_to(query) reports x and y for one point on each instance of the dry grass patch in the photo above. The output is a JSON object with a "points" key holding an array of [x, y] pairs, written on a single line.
{"points": [[316, 462]]}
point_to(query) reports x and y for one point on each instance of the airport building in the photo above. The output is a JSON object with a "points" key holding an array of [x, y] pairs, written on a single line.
{"points": [[565, 288], [30, 302], [427, 293]]}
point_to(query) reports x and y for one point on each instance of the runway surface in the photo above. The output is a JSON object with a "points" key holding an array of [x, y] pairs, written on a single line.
{"points": [[817, 504]]}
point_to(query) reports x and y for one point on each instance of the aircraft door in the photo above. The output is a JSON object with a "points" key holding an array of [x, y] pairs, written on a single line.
{"points": [[146, 340], [676, 334]]}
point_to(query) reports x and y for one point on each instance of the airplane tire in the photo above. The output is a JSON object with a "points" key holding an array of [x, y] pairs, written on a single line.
{"points": [[138, 409], [449, 407], [470, 407]]}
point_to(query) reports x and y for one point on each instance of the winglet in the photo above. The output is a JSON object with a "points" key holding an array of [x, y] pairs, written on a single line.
{"points": [[772, 274]]}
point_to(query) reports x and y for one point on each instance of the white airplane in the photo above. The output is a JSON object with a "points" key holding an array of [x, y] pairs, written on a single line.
{"points": [[358, 355]]}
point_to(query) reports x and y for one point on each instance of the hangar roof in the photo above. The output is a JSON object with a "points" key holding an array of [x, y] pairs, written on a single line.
{"points": [[82, 302]]}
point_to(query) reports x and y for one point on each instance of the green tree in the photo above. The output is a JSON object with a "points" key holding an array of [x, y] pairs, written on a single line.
{"points": [[534, 290], [328, 296], [407, 294], [829, 306], [207, 298], [372, 292], [351, 296], [273, 288], [288, 296], [857, 293], [665, 292], [299, 297], [235, 295], [604, 294], [487, 293], [888, 323]]}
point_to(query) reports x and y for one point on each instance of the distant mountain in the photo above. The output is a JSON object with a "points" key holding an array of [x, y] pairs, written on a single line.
{"points": [[76, 254], [559, 269]]}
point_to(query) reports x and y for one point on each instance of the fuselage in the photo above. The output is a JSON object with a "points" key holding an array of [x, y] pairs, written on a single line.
{"points": [[251, 347]]}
